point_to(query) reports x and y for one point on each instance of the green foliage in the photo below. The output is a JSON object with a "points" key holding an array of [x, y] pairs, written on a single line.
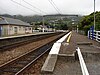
{"points": [[87, 21], [29, 19], [64, 27], [61, 27], [36, 20]]}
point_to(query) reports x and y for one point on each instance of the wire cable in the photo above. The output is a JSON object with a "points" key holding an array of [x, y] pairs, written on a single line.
{"points": [[25, 7], [34, 7], [55, 7]]}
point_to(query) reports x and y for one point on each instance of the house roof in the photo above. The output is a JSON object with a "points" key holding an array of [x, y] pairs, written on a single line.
{"points": [[11, 21]]}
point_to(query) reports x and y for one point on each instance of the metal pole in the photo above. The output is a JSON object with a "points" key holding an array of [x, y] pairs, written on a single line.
{"points": [[94, 14], [54, 26], [77, 28], [43, 23]]}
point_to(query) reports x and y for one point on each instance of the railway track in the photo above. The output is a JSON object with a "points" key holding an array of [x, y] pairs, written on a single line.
{"points": [[19, 64], [15, 42]]}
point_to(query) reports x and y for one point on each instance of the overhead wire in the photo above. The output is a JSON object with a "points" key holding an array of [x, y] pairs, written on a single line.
{"points": [[34, 7], [25, 6], [54, 5], [51, 2], [29, 8]]}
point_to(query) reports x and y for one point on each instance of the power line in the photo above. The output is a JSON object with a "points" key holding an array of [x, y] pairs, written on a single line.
{"points": [[34, 7], [54, 5], [25, 6], [28, 8]]}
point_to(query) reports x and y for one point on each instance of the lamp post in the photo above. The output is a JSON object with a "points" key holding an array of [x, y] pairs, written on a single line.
{"points": [[94, 14], [43, 23]]}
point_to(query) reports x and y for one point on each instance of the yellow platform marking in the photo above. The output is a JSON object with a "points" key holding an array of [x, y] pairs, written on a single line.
{"points": [[69, 37]]}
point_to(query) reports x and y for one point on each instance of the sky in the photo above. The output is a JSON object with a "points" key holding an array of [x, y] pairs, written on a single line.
{"points": [[43, 7]]}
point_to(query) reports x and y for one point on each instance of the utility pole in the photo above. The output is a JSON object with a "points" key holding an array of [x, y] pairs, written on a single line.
{"points": [[43, 24], [77, 28], [94, 15], [54, 26]]}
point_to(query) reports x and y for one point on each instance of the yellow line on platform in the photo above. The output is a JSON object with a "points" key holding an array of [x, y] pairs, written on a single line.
{"points": [[69, 37]]}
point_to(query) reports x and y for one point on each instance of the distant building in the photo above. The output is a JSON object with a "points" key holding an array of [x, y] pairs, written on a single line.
{"points": [[10, 26], [45, 28]]}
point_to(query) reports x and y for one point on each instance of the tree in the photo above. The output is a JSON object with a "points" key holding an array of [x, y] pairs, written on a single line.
{"points": [[87, 21]]}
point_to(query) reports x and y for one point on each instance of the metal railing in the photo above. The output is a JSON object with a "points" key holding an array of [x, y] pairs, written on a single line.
{"points": [[82, 63], [94, 35]]}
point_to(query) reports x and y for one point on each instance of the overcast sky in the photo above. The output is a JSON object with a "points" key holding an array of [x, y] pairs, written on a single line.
{"points": [[83, 7]]}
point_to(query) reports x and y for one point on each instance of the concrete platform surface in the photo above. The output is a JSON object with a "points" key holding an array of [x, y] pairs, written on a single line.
{"points": [[92, 61], [49, 64], [68, 62], [39, 33], [66, 67]]}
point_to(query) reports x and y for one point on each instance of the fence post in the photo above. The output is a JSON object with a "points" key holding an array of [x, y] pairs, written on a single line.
{"points": [[89, 34], [96, 36]]}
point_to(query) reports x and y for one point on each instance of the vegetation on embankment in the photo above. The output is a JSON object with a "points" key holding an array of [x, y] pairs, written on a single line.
{"points": [[87, 21]]}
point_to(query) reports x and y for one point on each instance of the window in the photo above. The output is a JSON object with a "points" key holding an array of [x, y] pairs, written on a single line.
{"points": [[19, 28], [30, 28]]}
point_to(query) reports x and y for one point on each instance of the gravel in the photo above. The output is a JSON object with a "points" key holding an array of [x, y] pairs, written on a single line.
{"points": [[36, 68], [13, 53]]}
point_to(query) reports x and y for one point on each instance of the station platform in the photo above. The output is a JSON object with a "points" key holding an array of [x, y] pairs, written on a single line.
{"points": [[66, 62], [23, 35]]}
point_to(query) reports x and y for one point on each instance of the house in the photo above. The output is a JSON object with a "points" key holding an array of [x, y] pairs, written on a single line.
{"points": [[44, 28], [10, 26]]}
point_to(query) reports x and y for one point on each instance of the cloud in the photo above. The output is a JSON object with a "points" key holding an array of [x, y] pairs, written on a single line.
{"points": [[65, 6]]}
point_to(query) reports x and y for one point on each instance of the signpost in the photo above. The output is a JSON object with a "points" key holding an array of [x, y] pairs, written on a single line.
{"points": [[91, 31]]}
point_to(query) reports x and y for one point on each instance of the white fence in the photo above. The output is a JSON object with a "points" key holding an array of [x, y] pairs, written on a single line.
{"points": [[94, 35]]}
